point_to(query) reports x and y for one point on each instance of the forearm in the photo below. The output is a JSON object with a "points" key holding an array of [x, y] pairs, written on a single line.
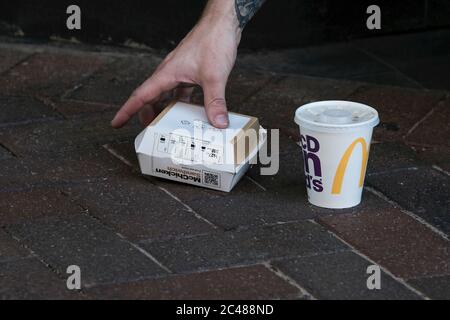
{"points": [[234, 14]]}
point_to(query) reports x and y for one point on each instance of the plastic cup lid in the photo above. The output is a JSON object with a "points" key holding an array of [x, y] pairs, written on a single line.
{"points": [[336, 116]]}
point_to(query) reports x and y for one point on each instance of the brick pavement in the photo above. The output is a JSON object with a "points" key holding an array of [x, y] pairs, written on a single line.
{"points": [[71, 193]]}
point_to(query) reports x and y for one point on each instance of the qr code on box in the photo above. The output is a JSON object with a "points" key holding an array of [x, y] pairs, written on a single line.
{"points": [[211, 179]]}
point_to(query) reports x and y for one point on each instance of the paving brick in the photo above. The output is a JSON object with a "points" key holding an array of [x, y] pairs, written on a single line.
{"points": [[137, 209], [423, 191], [17, 109], [434, 155], [74, 108], [224, 249], [435, 130], [30, 279], [341, 275], [77, 166], [243, 283], [437, 288], [329, 61], [391, 156], [422, 56], [10, 57], [10, 248], [22, 206], [275, 106], [290, 173], [5, 154], [114, 83], [394, 240], [254, 208], [390, 78], [399, 108], [50, 74], [102, 256], [64, 135]]}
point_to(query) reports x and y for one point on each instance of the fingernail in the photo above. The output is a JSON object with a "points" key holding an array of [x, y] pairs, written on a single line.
{"points": [[222, 120]]}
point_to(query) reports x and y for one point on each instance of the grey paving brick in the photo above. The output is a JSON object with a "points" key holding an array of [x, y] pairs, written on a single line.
{"points": [[341, 275], [137, 209], [50, 73], [24, 206], [224, 249], [243, 283], [102, 256], [423, 191], [10, 249], [115, 82], [254, 208], [437, 288], [22, 109], [392, 239], [60, 136], [73, 108], [394, 156], [422, 56], [77, 166], [30, 279], [329, 61], [5, 154]]}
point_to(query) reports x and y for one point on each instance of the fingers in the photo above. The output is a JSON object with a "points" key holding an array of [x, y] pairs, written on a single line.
{"points": [[147, 93], [215, 104], [149, 112], [184, 94]]}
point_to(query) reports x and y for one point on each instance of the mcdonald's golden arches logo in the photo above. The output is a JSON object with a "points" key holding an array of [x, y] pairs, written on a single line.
{"points": [[342, 167]]}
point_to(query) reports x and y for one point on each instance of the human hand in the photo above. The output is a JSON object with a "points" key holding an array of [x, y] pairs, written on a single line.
{"points": [[204, 58]]}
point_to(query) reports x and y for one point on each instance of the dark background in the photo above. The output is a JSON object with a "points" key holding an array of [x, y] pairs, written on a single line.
{"points": [[161, 24]]}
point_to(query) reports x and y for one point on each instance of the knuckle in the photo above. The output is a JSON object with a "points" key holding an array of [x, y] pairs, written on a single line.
{"points": [[218, 103]]}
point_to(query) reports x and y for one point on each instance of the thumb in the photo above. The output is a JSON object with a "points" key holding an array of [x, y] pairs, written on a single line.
{"points": [[215, 104]]}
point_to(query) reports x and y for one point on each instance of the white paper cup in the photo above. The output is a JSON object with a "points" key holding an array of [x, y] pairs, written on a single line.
{"points": [[335, 140]]}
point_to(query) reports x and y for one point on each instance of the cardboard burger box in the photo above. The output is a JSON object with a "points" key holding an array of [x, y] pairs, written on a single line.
{"points": [[181, 145]]}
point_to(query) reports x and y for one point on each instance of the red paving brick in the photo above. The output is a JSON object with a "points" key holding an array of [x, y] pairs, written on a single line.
{"points": [[435, 129], [399, 108], [49, 73], [394, 240], [254, 282], [10, 57], [23, 206]]}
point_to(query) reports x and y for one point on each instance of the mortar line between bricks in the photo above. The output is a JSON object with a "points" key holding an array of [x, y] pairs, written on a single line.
{"points": [[362, 255], [188, 208], [407, 212], [86, 78], [40, 259], [271, 80], [429, 114], [48, 102], [145, 253], [390, 66], [31, 55], [255, 182], [418, 123], [8, 150], [285, 277], [117, 155], [436, 167]]}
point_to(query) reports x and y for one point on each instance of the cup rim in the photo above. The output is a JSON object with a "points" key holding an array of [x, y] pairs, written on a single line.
{"points": [[326, 127]]}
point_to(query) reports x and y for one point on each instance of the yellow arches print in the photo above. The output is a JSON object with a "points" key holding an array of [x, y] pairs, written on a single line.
{"points": [[340, 172]]}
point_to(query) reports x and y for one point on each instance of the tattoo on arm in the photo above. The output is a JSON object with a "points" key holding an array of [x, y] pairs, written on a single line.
{"points": [[246, 9]]}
